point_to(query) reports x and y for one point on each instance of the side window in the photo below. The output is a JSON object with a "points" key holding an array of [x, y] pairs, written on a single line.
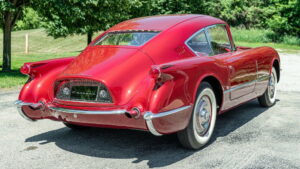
{"points": [[218, 37], [199, 44]]}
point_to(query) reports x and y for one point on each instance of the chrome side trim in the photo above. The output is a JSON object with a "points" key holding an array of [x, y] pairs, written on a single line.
{"points": [[240, 86], [19, 105], [148, 116], [87, 111], [259, 79], [264, 77]]}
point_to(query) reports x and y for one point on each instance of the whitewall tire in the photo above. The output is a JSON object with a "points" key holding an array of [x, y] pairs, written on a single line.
{"points": [[268, 99], [203, 119]]}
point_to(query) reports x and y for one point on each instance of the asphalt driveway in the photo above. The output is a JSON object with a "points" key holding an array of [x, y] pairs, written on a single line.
{"points": [[246, 137]]}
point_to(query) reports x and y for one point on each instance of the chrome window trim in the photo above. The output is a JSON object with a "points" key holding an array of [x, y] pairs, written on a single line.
{"points": [[191, 37], [205, 32], [230, 42], [208, 41]]}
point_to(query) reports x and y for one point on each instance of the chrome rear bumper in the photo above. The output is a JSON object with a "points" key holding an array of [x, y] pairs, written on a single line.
{"points": [[107, 112], [148, 116], [19, 105]]}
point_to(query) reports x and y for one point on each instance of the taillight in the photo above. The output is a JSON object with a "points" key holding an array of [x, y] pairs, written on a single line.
{"points": [[159, 76], [25, 69], [155, 72], [30, 68]]}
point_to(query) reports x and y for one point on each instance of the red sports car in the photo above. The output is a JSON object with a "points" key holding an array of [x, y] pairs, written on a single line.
{"points": [[162, 74]]}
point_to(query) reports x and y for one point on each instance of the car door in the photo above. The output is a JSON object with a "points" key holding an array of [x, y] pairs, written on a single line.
{"points": [[242, 67]]}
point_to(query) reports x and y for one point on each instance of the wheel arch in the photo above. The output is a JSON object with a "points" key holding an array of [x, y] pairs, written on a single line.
{"points": [[276, 65], [217, 88]]}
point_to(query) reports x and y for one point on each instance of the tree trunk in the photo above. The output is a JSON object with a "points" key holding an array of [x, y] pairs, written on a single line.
{"points": [[89, 37], [7, 27]]}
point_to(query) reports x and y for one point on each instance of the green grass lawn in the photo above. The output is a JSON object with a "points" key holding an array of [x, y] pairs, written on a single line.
{"points": [[15, 78], [39, 42], [258, 37], [42, 47], [283, 48]]}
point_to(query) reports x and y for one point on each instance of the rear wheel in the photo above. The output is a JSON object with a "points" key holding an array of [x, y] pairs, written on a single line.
{"points": [[73, 126], [269, 97], [202, 122]]}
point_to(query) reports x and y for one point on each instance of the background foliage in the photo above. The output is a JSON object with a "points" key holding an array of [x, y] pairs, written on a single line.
{"points": [[69, 17], [62, 18], [29, 20]]}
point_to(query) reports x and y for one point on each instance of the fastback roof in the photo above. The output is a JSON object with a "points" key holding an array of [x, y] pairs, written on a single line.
{"points": [[158, 23]]}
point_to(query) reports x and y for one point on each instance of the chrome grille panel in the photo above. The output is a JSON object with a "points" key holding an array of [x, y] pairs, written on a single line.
{"points": [[82, 90]]}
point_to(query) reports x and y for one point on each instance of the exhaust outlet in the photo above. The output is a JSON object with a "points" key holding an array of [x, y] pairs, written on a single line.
{"points": [[133, 113]]}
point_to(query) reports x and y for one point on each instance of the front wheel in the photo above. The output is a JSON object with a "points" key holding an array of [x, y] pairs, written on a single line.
{"points": [[269, 97], [203, 119]]}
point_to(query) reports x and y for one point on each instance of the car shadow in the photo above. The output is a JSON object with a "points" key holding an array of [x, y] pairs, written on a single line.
{"points": [[140, 145], [236, 118]]}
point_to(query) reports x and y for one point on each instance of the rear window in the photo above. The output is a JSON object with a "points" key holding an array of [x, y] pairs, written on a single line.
{"points": [[126, 38]]}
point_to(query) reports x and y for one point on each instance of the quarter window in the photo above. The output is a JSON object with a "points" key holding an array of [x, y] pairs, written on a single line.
{"points": [[218, 37], [199, 44]]}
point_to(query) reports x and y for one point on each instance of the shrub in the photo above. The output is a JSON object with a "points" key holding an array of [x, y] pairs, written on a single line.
{"points": [[291, 40], [254, 35], [29, 20], [251, 35], [285, 20]]}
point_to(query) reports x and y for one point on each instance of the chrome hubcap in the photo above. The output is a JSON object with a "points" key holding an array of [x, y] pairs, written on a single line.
{"points": [[203, 116], [272, 86]]}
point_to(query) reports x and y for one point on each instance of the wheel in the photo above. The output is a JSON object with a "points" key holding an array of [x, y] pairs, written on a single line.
{"points": [[269, 97], [73, 126], [202, 121]]}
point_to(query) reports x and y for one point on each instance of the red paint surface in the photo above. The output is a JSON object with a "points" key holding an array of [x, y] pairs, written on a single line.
{"points": [[125, 71]]}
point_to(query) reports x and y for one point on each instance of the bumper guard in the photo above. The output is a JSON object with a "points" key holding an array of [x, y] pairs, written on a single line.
{"points": [[149, 116], [19, 105]]}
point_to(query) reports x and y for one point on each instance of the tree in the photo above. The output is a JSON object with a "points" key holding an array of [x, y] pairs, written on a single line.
{"points": [[29, 20], [285, 20], [69, 17], [63, 18], [243, 13], [157, 7], [10, 11]]}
